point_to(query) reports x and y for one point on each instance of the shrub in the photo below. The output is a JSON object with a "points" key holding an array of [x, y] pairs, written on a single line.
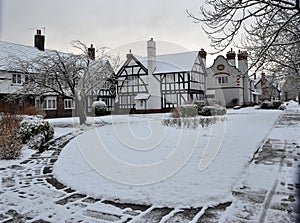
{"points": [[220, 110], [276, 104], [189, 110], [213, 110], [200, 105], [190, 123], [34, 127], [270, 105], [10, 143], [232, 103], [208, 111], [99, 108]]}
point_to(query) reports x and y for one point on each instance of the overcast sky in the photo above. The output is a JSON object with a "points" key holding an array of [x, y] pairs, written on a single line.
{"points": [[113, 23]]}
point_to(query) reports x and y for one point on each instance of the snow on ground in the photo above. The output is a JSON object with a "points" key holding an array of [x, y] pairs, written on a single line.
{"points": [[142, 144]]}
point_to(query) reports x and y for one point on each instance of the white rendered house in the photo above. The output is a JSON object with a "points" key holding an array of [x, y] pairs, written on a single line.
{"points": [[228, 81]]}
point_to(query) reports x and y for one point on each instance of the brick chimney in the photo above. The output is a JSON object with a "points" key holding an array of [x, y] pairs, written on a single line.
{"points": [[39, 40], [129, 55], [243, 62], [203, 55], [91, 52], [231, 57]]}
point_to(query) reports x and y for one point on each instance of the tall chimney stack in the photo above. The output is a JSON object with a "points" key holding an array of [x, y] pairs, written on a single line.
{"points": [[231, 57], [243, 62], [203, 56], [91, 52], [151, 51], [39, 40]]}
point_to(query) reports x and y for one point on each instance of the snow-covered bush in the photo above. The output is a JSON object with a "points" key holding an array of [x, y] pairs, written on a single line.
{"points": [[234, 102], [99, 108], [32, 129], [10, 143], [200, 105], [37, 141], [188, 110], [270, 104], [213, 110]]}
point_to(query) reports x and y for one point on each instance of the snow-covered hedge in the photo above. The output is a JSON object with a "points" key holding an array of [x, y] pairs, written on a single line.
{"points": [[10, 143], [35, 132], [191, 122], [99, 108]]}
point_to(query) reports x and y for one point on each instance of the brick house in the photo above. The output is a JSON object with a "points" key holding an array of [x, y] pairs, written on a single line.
{"points": [[11, 84]]}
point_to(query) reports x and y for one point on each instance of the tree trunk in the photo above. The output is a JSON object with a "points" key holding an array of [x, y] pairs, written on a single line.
{"points": [[80, 109]]}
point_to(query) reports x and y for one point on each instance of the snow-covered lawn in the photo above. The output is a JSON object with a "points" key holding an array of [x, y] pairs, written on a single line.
{"points": [[137, 159]]}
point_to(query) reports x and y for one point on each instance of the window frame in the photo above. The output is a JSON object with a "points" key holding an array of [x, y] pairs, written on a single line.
{"points": [[50, 103], [16, 79], [68, 102]]}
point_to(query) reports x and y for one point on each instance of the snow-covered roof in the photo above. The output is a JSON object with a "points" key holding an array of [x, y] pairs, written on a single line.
{"points": [[171, 63], [210, 92], [142, 97], [12, 50]]}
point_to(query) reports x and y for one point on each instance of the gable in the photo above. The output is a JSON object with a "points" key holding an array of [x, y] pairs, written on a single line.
{"points": [[132, 66], [222, 66]]}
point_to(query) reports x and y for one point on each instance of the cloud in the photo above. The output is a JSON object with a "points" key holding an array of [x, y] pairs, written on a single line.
{"points": [[105, 22]]}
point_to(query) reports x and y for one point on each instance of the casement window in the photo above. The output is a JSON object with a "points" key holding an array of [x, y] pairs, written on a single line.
{"points": [[69, 104], [222, 80], [16, 79], [133, 80], [171, 98], [50, 103], [169, 78]]}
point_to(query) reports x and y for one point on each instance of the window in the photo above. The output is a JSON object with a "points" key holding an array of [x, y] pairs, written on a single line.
{"points": [[38, 103], [169, 78], [49, 103], [132, 80], [222, 80], [26, 79], [69, 104], [171, 98], [16, 79]]}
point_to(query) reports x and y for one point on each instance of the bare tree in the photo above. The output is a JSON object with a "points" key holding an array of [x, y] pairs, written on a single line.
{"points": [[269, 29], [66, 75]]}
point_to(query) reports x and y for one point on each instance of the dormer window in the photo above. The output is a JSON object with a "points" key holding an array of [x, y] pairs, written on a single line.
{"points": [[16, 79]]}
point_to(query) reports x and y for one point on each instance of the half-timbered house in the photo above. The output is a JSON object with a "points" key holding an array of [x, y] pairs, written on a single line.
{"points": [[160, 82]]}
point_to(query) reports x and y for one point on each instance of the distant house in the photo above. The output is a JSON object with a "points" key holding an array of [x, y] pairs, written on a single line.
{"points": [[229, 82], [267, 89], [49, 104], [160, 82], [11, 82]]}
